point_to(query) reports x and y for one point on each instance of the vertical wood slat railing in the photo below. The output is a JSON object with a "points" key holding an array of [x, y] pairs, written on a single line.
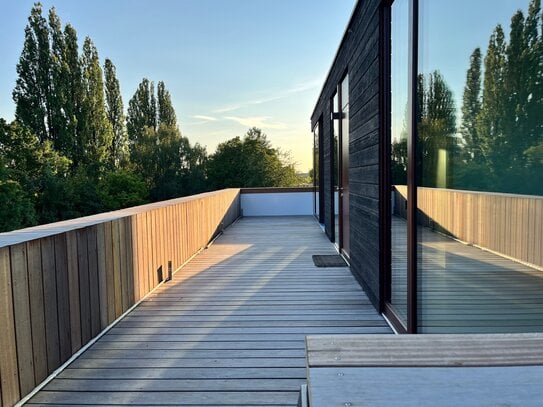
{"points": [[508, 224], [62, 284]]}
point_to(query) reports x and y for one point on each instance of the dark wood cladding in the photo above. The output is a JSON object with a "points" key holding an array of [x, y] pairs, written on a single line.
{"points": [[69, 280], [359, 56]]}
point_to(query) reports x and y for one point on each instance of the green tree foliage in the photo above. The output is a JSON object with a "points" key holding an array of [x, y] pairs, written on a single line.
{"points": [[73, 99], [37, 168], [32, 93], [96, 132], [398, 162], [16, 210], [170, 166], [166, 112], [122, 189], [508, 124], [471, 107], [250, 161], [141, 112], [118, 155], [72, 151], [436, 129]]}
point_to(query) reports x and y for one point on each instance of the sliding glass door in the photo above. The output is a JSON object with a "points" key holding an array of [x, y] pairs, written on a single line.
{"points": [[465, 165]]}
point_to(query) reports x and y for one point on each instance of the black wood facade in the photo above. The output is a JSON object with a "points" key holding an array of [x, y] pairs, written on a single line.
{"points": [[359, 57]]}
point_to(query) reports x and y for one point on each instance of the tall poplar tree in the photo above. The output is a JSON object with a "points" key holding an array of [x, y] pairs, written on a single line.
{"points": [[73, 102], [141, 113], [436, 127], [533, 60], [96, 132], [515, 96], [115, 113], [471, 107], [166, 112], [32, 93], [490, 124], [59, 85]]}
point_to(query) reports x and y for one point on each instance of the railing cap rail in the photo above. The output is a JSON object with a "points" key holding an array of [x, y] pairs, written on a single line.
{"points": [[51, 229], [467, 191]]}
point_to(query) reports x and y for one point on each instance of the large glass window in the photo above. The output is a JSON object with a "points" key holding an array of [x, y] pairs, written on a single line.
{"points": [[344, 171], [480, 166], [335, 163], [398, 160], [316, 172]]}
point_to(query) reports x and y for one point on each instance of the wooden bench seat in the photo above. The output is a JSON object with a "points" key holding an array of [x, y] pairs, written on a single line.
{"points": [[425, 370]]}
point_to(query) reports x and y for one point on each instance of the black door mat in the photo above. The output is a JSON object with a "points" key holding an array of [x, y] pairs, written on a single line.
{"points": [[334, 260]]}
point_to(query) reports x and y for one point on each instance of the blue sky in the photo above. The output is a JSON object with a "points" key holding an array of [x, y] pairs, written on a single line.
{"points": [[229, 64]]}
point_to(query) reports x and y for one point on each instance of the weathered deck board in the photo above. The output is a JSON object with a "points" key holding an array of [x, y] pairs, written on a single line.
{"points": [[229, 329]]}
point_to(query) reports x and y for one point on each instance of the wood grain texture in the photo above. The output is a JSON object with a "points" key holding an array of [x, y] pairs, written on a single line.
{"points": [[117, 284], [123, 269], [427, 386], [84, 287], [21, 313], [63, 297], [94, 286], [35, 288], [425, 350], [73, 286], [445, 370], [50, 303], [9, 374], [110, 271], [102, 270]]}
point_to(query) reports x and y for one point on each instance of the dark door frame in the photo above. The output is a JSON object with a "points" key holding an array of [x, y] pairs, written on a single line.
{"points": [[385, 176], [341, 215], [338, 116]]}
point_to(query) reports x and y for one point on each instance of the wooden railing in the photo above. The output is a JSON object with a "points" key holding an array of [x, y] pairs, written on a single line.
{"points": [[511, 225], [62, 284]]}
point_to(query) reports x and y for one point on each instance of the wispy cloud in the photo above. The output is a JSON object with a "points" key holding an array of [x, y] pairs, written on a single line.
{"points": [[257, 121], [297, 88], [206, 118], [227, 109]]}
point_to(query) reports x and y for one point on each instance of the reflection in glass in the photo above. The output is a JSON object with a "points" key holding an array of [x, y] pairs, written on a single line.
{"points": [[315, 174], [398, 170], [480, 128], [335, 129], [344, 172]]}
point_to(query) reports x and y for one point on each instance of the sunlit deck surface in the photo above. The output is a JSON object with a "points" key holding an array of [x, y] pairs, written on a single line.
{"points": [[464, 289], [229, 328]]}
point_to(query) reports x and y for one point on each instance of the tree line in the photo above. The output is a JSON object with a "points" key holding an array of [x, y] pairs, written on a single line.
{"points": [[73, 151], [498, 145]]}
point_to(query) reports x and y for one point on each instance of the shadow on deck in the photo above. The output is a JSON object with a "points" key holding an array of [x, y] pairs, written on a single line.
{"points": [[229, 329]]}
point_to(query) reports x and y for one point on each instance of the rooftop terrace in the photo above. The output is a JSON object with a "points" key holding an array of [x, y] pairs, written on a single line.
{"points": [[91, 316], [228, 329]]}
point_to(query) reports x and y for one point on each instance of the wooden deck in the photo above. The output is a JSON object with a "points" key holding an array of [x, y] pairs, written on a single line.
{"points": [[463, 289], [229, 329]]}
